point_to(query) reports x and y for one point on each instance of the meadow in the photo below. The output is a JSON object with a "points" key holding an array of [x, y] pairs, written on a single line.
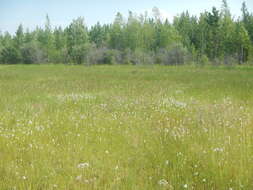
{"points": [[126, 127]]}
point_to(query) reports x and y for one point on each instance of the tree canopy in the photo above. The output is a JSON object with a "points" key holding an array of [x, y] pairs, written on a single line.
{"points": [[213, 36]]}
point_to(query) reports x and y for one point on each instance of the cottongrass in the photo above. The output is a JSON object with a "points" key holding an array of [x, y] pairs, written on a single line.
{"points": [[83, 165], [120, 136], [218, 149], [172, 102], [163, 182], [75, 97], [79, 178]]}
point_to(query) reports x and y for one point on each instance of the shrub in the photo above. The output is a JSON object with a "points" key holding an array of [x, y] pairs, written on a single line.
{"points": [[202, 60], [103, 55], [31, 53], [230, 60], [96, 55], [10, 55], [174, 55], [140, 57], [79, 53]]}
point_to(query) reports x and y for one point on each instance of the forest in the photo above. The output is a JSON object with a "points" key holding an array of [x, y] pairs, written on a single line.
{"points": [[214, 37]]}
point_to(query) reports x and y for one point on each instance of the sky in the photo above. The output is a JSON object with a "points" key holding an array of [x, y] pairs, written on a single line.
{"points": [[32, 13]]}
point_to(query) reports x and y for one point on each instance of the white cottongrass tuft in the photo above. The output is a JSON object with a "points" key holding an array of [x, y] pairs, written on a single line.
{"points": [[83, 165], [218, 150], [75, 97], [79, 178], [171, 102], [55, 185], [163, 182]]}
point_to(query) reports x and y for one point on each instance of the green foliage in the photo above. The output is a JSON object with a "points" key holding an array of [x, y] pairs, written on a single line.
{"points": [[19, 38], [79, 53], [10, 55], [242, 41], [176, 54], [31, 53], [202, 60], [77, 39], [214, 36], [116, 40], [187, 27], [99, 34], [247, 19]]}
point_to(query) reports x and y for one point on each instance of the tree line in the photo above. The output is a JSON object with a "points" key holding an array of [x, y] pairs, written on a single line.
{"points": [[212, 37]]}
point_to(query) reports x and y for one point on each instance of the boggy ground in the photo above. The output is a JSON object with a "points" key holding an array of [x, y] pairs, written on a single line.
{"points": [[125, 127]]}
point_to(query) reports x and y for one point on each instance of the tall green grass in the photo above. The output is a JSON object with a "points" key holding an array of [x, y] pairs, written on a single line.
{"points": [[125, 127]]}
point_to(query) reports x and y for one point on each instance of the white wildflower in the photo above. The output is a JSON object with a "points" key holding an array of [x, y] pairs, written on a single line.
{"points": [[75, 97], [218, 149], [174, 103], [179, 154], [163, 182], [79, 178], [83, 165]]}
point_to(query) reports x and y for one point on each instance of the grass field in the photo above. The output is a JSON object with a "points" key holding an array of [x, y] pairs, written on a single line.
{"points": [[126, 127]]}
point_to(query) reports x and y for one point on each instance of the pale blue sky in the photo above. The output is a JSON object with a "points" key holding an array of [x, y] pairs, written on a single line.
{"points": [[61, 12]]}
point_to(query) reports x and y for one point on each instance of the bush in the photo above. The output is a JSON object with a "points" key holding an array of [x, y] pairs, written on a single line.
{"points": [[96, 55], [108, 57], [202, 60], [10, 55], [174, 55], [103, 55], [137, 57], [229, 60], [140, 57], [1, 55], [31, 53], [79, 53]]}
